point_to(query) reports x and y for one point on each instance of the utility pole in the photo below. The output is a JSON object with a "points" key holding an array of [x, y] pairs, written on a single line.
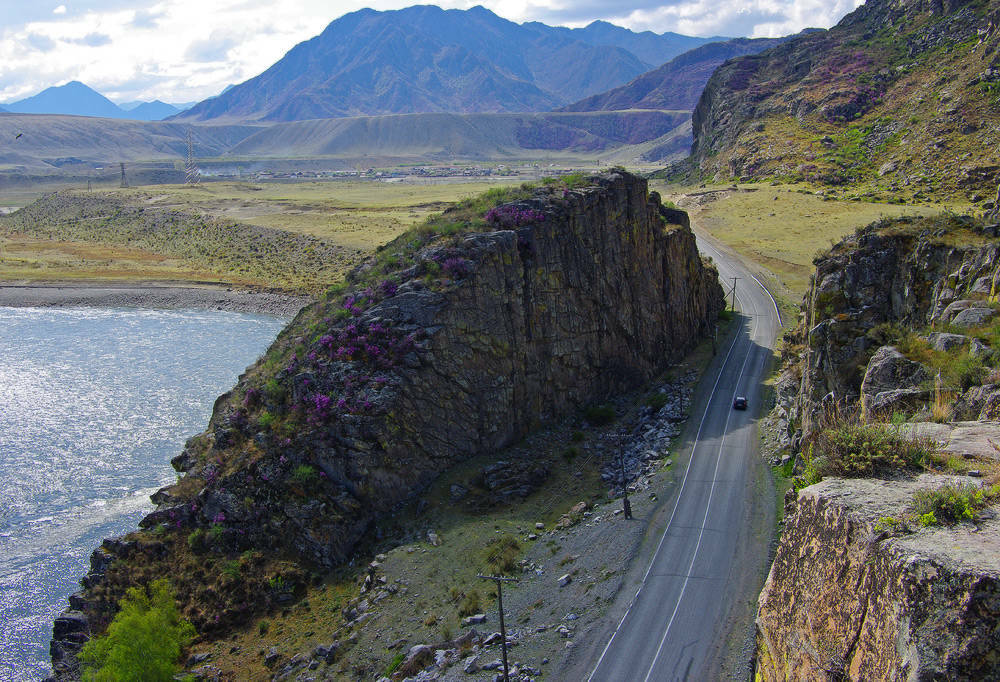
{"points": [[626, 505], [734, 294], [500, 580], [124, 179]]}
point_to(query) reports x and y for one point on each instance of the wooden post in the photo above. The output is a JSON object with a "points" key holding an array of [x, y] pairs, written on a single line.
{"points": [[500, 580]]}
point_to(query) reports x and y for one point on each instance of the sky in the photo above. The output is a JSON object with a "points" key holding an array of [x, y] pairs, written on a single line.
{"points": [[186, 50]]}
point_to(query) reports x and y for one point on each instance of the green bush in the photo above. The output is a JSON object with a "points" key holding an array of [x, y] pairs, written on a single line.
{"points": [[144, 640], [471, 604], [502, 553], [265, 420], [854, 449], [951, 503], [231, 570], [305, 475], [571, 453], [600, 415], [196, 540]]}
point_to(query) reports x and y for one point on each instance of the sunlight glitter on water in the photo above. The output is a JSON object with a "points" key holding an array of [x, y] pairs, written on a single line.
{"points": [[93, 404]]}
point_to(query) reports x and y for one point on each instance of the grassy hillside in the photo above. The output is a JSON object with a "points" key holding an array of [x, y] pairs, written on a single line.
{"points": [[900, 100]]}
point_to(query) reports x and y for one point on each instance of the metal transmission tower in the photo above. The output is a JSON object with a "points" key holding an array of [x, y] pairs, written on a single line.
{"points": [[124, 179], [192, 173]]}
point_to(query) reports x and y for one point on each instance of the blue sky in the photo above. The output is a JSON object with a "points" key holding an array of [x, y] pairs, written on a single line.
{"points": [[186, 50]]}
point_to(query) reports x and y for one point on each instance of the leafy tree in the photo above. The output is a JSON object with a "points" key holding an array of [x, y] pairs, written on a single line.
{"points": [[144, 640]]}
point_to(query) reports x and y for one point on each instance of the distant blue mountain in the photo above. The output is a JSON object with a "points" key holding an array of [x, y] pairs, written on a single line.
{"points": [[77, 99], [73, 98], [152, 111]]}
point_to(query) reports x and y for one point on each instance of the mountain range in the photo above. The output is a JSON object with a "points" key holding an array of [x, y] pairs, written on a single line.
{"points": [[426, 59], [77, 99]]}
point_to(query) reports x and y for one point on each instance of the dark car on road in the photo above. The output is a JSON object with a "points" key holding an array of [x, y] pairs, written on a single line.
{"points": [[740, 402]]}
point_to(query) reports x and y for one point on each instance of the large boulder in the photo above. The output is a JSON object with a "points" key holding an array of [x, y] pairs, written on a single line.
{"points": [[973, 317], [892, 382]]}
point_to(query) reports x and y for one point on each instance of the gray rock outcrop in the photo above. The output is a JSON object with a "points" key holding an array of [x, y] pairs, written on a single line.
{"points": [[892, 382], [847, 599]]}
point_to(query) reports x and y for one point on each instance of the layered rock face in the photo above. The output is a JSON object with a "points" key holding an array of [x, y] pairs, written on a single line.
{"points": [[593, 291], [850, 599]]}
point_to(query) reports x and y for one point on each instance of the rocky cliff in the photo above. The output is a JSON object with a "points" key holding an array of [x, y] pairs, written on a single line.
{"points": [[865, 106], [854, 595], [898, 325], [458, 339], [867, 291]]}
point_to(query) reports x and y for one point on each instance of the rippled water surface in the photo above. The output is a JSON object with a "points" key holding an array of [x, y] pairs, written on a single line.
{"points": [[93, 404]]}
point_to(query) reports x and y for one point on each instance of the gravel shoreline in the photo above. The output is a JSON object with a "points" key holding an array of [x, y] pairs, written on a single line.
{"points": [[150, 295]]}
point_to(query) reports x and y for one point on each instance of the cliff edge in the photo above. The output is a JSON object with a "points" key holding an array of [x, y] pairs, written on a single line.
{"points": [[855, 594]]}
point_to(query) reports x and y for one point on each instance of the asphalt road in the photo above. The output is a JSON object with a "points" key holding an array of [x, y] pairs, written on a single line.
{"points": [[674, 627]]}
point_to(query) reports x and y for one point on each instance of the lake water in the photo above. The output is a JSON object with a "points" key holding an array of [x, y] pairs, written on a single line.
{"points": [[93, 404]]}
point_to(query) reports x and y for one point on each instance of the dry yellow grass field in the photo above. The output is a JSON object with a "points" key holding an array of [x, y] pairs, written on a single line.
{"points": [[781, 228]]}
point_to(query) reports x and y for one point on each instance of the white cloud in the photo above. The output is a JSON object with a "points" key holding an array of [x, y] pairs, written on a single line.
{"points": [[182, 50]]}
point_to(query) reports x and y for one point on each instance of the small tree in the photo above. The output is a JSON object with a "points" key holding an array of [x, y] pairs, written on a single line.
{"points": [[144, 640]]}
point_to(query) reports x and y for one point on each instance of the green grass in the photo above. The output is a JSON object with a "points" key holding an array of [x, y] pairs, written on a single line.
{"points": [[951, 503]]}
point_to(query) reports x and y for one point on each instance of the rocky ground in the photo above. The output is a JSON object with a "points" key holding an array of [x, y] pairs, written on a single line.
{"points": [[161, 296]]}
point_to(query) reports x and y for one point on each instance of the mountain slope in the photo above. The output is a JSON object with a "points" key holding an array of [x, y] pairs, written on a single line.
{"points": [[424, 59], [74, 98], [50, 137], [460, 136], [902, 97], [677, 84], [48, 141]]}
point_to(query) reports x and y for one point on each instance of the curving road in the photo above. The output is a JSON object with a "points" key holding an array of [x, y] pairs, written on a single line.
{"points": [[679, 620]]}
